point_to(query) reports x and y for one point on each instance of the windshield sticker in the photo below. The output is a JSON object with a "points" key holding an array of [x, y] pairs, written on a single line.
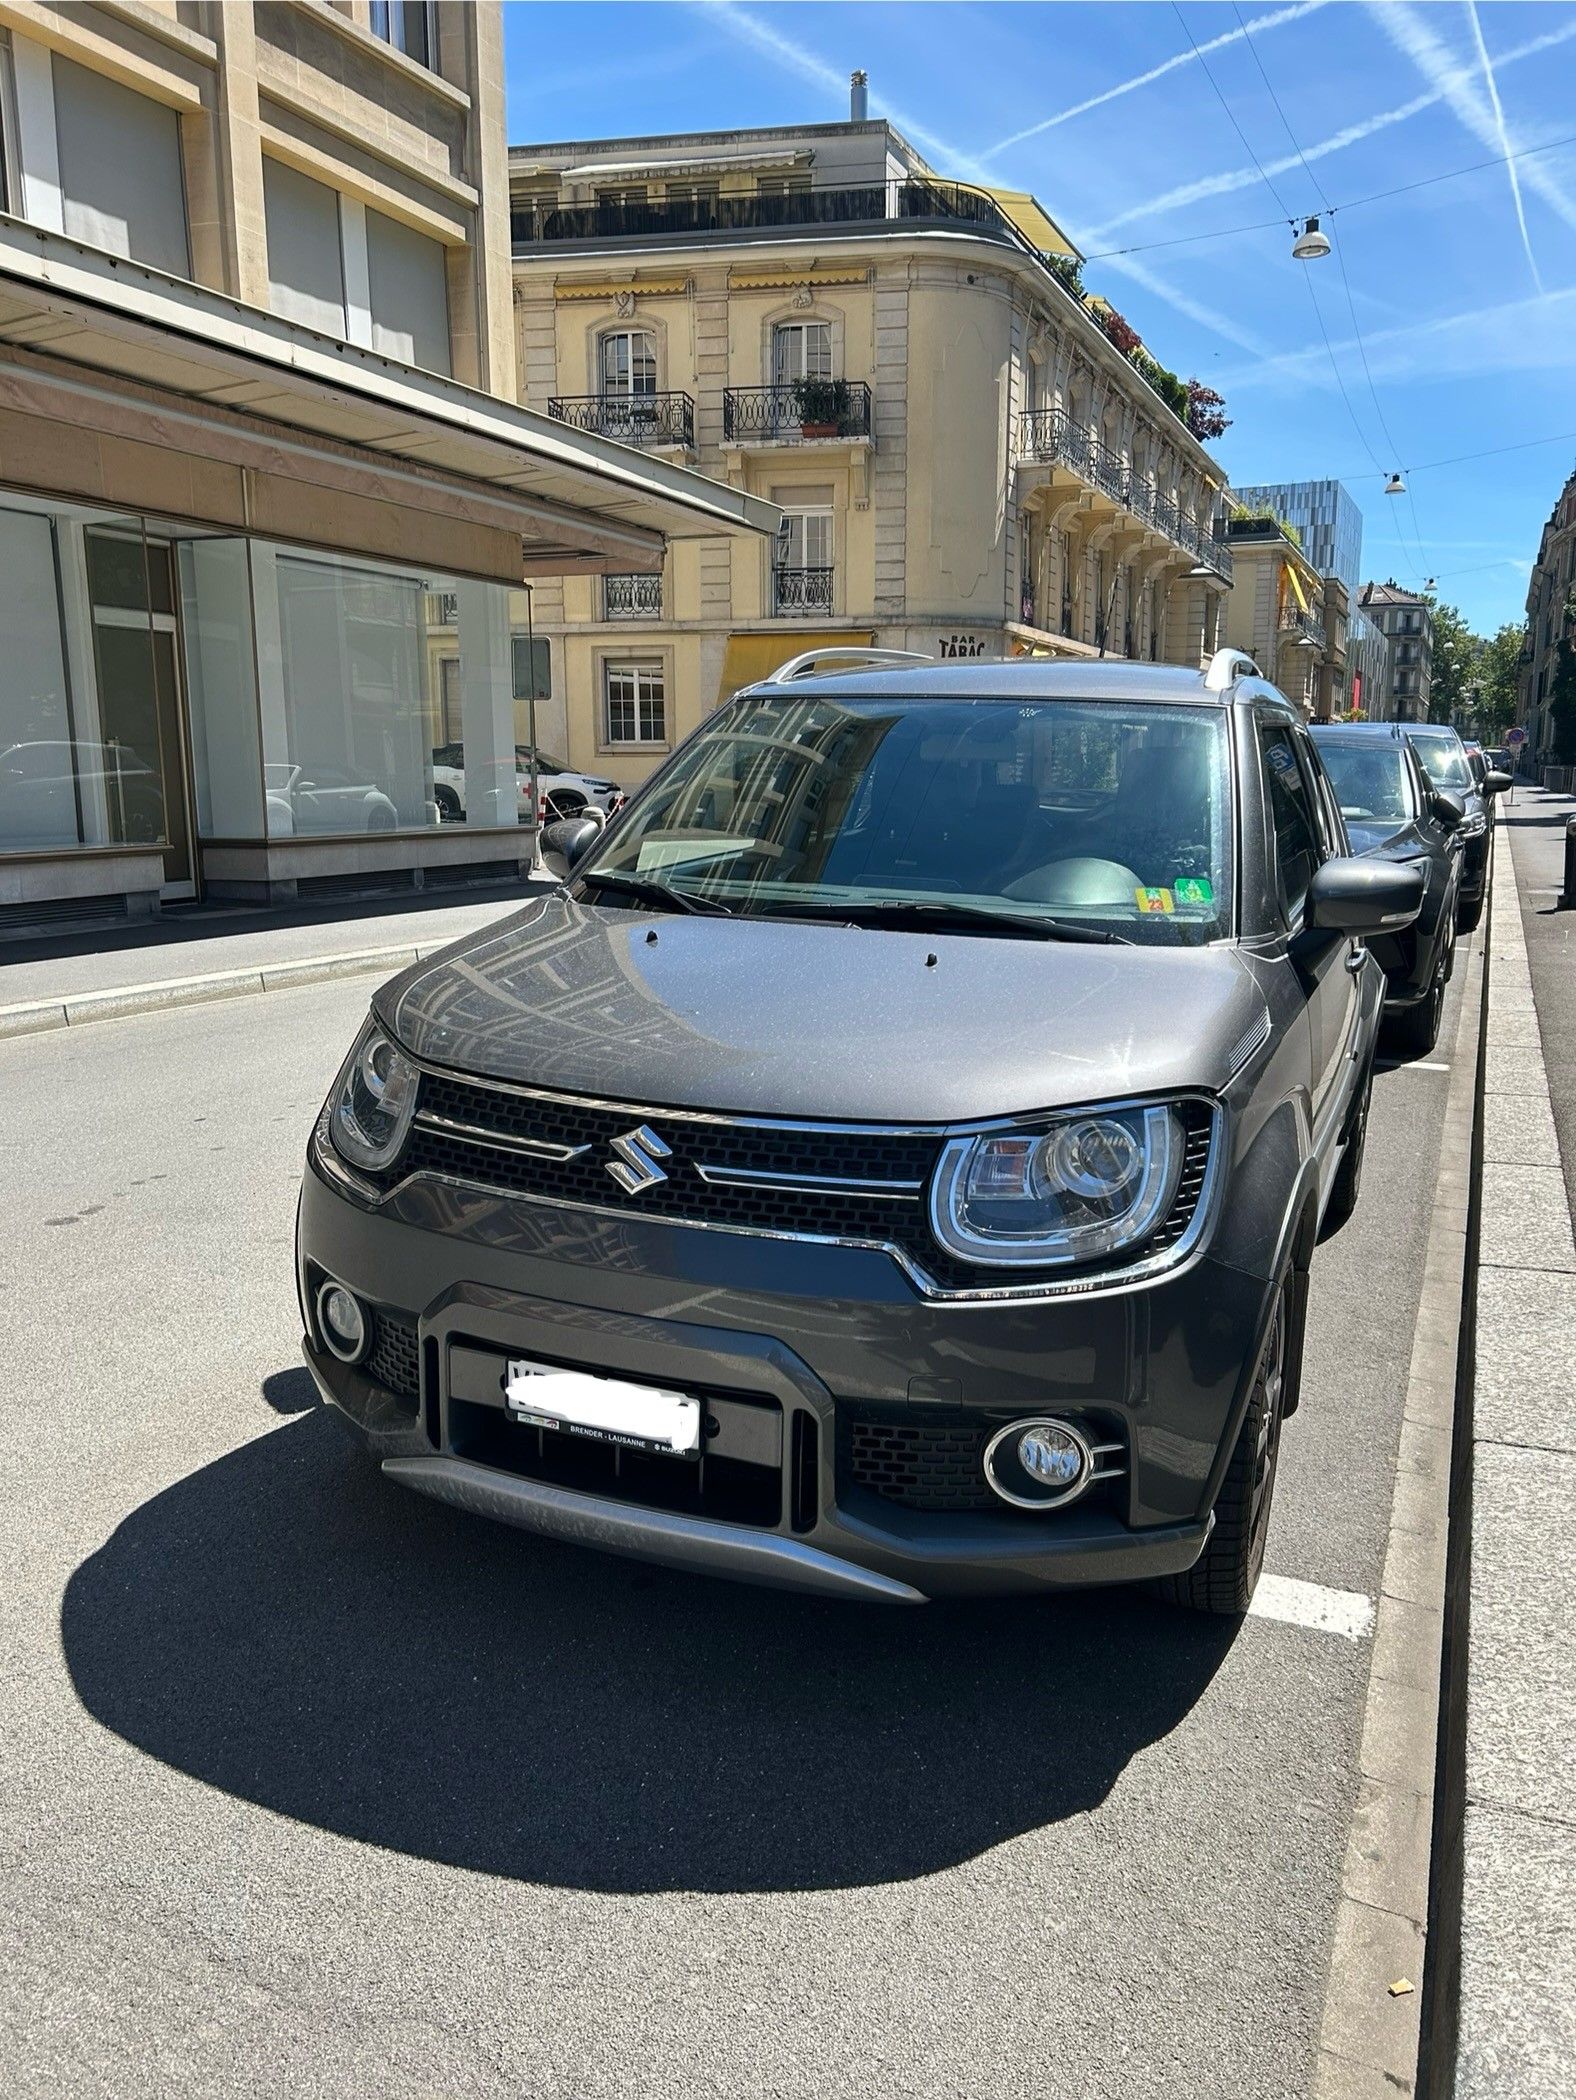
{"points": [[1193, 889], [1281, 759], [1154, 900]]}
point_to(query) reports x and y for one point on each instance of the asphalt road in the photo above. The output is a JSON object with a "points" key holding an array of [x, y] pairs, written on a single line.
{"points": [[313, 1787]]}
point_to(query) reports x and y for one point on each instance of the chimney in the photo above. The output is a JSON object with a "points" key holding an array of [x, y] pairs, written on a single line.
{"points": [[859, 97]]}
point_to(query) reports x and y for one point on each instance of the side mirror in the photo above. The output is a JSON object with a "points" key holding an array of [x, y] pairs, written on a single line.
{"points": [[1364, 896], [572, 838], [1496, 783], [1449, 810]]}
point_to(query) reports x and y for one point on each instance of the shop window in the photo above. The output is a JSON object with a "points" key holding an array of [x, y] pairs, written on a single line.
{"points": [[120, 169], [628, 364], [635, 704], [40, 798]]}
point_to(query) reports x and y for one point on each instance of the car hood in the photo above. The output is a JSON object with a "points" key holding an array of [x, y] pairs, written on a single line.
{"points": [[771, 1017]]}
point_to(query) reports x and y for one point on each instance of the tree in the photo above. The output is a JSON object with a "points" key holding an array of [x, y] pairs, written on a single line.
{"points": [[1206, 411], [1456, 652], [1498, 681]]}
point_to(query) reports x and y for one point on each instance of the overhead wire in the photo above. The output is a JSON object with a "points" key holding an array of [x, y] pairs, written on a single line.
{"points": [[1351, 304]]}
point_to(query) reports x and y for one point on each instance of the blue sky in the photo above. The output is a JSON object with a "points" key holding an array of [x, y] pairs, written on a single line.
{"points": [[1453, 330]]}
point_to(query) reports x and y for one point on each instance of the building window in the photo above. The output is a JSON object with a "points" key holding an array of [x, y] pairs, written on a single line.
{"points": [[636, 708], [784, 186], [121, 181], [629, 364], [410, 26], [629, 193], [801, 350], [306, 270], [407, 287]]}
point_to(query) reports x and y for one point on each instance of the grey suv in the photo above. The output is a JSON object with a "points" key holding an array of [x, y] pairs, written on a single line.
{"points": [[891, 1166]]}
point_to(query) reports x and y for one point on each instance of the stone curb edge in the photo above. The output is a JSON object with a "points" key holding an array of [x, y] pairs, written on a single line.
{"points": [[1369, 2041], [37, 1017]]}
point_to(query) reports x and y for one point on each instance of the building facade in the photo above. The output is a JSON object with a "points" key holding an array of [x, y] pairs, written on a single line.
{"points": [[1288, 618], [268, 501], [1406, 620], [967, 463], [1549, 591], [1328, 522]]}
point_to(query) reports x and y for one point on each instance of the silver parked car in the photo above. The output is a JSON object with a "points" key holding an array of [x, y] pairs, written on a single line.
{"points": [[891, 1166]]}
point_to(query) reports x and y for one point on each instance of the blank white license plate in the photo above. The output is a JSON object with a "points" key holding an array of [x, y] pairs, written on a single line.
{"points": [[605, 1410]]}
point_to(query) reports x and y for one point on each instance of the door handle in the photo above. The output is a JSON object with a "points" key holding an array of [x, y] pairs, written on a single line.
{"points": [[1356, 959]]}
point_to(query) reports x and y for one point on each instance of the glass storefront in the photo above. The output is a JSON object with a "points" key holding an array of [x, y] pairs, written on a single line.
{"points": [[161, 687]]}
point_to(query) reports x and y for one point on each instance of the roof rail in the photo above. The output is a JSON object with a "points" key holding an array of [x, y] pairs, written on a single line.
{"points": [[809, 664], [1226, 666]]}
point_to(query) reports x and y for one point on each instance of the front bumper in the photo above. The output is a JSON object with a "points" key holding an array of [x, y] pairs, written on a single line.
{"points": [[807, 1334]]}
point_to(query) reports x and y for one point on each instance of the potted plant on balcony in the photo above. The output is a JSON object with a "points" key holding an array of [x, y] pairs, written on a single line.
{"points": [[822, 406]]}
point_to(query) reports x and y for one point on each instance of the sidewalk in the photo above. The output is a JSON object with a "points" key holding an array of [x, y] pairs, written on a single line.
{"points": [[181, 960], [1517, 2007]]}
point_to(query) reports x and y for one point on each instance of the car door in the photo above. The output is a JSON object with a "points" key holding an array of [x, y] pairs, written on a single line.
{"points": [[1326, 964]]}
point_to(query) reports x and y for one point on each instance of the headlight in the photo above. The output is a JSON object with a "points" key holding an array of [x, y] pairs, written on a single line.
{"points": [[1080, 1189], [374, 1099]]}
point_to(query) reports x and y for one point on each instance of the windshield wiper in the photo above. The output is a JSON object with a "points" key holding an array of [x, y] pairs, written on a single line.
{"points": [[943, 912], [642, 890]]}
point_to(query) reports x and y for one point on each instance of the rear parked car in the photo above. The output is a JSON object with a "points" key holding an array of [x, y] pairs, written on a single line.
{"points": [[891, 1166], [1447, 768], [1392, 813]]}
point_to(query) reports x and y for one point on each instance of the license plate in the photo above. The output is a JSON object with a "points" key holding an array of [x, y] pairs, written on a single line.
{"points": [[603, 1410]]}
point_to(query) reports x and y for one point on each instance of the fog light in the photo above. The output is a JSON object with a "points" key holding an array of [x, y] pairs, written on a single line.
{"points": [[1038, 1464], [343, 1323]]}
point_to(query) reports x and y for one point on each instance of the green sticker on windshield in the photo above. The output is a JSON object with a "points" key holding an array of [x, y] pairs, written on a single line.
{"points": [[1193, 889]]}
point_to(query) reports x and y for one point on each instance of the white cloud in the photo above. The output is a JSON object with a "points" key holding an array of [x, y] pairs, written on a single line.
{"points": [[1169, 65], [1447, 79], [1530, 335]]}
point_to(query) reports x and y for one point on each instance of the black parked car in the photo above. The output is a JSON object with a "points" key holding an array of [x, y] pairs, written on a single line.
{"points": [[1447, 768], [1390, 811], [892, 1166]]}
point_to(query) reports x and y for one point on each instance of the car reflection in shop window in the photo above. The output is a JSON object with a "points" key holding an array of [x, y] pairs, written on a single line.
{"points": [[324, 800]]}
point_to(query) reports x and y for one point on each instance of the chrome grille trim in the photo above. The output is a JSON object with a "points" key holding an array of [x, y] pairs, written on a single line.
{"points": [[831, 1184], [501, 1141]]}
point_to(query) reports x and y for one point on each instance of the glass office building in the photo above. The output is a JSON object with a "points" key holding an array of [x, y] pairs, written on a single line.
{"points": [[1328, 523]]}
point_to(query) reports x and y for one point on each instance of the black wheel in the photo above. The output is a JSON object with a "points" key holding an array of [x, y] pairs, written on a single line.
{"points": [[1348, 1182], [1225, 1575], [1415, 1030], [449, 810]]}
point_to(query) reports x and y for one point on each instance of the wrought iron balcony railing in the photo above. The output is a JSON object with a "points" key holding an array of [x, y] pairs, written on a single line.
{"points": [[801, 593], [632, 597], [787, 415], [633, 419], [1051, 434], [868, 204], [1294, 619]]}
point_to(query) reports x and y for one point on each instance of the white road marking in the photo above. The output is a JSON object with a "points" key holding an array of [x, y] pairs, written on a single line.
{"points": [[1408, 1064], [1345, 1612]]}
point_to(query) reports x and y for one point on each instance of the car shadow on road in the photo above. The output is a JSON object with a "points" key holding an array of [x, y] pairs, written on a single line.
{"points": [[288, 1626]]}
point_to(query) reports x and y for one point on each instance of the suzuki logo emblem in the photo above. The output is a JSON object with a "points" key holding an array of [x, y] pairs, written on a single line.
{"points": [[635, 1168]]}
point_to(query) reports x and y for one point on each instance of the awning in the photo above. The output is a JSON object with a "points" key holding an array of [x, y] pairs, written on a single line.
{"points": [[229, 376], [1035, 223], [1297, 591], [752, 657], [660, 170]]}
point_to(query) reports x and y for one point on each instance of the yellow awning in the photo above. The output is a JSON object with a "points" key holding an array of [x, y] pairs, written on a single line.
{"points": [[1035, 223], [751, 657], [1297, 591]]}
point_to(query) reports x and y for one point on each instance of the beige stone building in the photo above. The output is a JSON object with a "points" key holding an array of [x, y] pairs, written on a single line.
{"points": [[1289, 618], [268, 498], [1549, 590], [968, 464]]}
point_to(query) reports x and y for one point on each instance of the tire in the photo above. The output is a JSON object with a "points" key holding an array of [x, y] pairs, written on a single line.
{"points": [[449, 810], [1347, 1186], [1415, 1030], [1222, 1580]]}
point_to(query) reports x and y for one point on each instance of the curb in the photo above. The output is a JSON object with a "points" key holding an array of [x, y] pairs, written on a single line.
{"points": [[37, 1017], [1369, 2040]]}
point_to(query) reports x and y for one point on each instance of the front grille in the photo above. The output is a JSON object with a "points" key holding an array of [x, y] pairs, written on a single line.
{"points": [[700, 1150], [394, 1359], [935, 1462]]}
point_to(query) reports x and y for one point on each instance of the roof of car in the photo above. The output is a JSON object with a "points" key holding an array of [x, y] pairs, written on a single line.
{"points": [[1401, 732], [1034, 679]]}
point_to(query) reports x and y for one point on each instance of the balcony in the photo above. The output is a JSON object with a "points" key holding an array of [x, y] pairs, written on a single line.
{"points": [[801, 594], [1050, 435], [1294, 620], [895, 206], [802, 411], [632, 597], [633, 419]]}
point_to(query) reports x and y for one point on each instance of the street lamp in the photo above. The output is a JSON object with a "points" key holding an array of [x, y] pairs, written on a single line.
{"points": [[1311, 245], [1395, 486]]}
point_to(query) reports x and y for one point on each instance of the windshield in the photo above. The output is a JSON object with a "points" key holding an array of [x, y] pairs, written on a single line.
{"points": [[1370, 780], [1443, 760], [1112, 815]]}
